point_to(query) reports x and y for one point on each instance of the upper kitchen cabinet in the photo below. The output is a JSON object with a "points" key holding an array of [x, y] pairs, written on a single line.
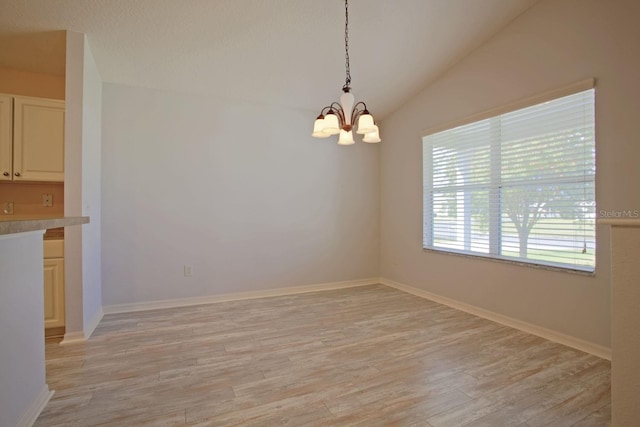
{"points": [[31, 139]]}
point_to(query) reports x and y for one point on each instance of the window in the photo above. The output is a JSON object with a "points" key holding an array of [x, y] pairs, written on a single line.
{"points": [[516, 186]]}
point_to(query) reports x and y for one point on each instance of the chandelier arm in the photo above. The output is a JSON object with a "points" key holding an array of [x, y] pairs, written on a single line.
{"points": [[356, 112], [360, 103], [355, 115], [337, 109], [324, 109]]}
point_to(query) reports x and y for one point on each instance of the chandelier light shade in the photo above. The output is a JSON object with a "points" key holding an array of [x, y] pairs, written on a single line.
{"points": [[346, 137], [372, 136], [318, 129], [339, 118], [331, 125]]}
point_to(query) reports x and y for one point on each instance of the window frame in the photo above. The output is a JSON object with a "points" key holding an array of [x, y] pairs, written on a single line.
{"points": [[494, 186]]}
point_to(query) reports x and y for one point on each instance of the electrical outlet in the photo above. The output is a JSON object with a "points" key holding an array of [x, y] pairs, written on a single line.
{"points": [[7, 208], [47, 200], [187, 271]]}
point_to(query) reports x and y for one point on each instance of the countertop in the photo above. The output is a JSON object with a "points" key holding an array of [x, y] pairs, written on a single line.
{"points": [[24, 225]]}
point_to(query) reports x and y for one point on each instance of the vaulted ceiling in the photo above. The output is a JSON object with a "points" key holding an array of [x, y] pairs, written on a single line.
{"points": [[280, 52]]}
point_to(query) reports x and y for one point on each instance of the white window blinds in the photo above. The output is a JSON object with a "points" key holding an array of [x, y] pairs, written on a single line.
{"points": [[517, 186]]}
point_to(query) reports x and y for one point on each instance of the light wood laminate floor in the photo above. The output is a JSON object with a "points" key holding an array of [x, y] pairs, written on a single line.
{"points": [[366, 356]]}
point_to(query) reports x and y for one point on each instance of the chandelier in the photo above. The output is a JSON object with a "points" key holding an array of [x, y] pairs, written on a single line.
{"points": [[338, 118]]}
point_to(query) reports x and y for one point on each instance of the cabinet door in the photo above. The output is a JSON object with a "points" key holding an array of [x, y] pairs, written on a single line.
{"points": [[6, 125], [38, 139], [53, 292]]}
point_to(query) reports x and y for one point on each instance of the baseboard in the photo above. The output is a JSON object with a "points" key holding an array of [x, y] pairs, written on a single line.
{"points": [[549, 334], [210, 299], [73, 338], [36, 407], [57, 331]]}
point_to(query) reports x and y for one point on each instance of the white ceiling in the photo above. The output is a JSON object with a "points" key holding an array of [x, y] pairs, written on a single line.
{"points": [[282, 52]]}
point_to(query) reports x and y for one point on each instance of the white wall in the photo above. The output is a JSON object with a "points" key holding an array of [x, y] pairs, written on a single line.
{"points": [[240, 192], [22, 367], [555, 43], [91, 191], [73, 183], [83, 278], [625, 339]]}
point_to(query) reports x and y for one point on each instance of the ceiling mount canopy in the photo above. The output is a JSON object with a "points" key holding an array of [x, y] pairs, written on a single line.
{"points": [[339, 118]]}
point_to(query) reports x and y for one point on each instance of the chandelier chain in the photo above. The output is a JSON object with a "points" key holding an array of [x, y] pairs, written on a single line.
{"points": [[347, 82]]}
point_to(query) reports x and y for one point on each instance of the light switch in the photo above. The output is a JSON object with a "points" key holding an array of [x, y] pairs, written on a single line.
{"points": [[187, 271], [47, 200]]}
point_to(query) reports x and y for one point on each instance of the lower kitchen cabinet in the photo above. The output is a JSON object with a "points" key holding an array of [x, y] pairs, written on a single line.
{"points": [[54, 319]]}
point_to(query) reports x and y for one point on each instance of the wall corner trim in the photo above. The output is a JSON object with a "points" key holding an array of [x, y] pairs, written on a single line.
{"points": [[551, 335], [211, 299], [82, 336], [93, 323], [36, 407]]}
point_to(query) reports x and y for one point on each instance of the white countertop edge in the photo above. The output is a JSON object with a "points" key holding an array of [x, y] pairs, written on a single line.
{"points": [[26, 225], [38, 233]]}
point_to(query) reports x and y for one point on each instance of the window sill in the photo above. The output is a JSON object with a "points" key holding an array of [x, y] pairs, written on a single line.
{"points": [[548, 267]]}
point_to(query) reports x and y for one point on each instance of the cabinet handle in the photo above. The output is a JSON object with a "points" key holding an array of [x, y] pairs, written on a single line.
{"points": [[17, 174], [6, 174]]}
